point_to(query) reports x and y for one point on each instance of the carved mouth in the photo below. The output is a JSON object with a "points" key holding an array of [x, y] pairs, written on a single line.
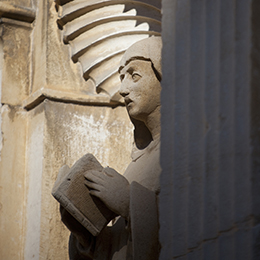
{"points": [[128, 101]]}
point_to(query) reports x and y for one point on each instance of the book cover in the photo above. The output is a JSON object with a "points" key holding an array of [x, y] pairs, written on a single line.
{"points": [[71, 192]]}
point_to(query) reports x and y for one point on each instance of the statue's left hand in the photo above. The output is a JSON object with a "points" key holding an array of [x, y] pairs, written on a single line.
{"points": [[112, 188]]}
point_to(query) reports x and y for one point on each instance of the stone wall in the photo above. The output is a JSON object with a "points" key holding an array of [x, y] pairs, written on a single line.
{"points": [[50, 117], [58, 134], [15, 70]]}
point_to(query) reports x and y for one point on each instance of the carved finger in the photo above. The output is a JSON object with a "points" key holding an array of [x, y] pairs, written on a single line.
{"points": [[93, 185], [95, 193], [110, 172], [100, 175], [93, 177], [94, 172]]}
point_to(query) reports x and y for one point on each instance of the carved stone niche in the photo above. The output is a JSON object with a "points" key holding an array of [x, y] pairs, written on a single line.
{"points": [[99, 32]]}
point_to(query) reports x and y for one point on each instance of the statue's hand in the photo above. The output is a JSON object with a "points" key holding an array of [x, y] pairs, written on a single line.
{"points": [[112, 188]]}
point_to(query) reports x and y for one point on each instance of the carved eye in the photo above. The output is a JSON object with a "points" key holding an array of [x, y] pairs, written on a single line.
{"points": [[136, 77], [122, 77]]}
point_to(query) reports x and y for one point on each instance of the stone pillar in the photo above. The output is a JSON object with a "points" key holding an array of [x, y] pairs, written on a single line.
{"points": [[255, 125], [15, 62], [207, 176]]}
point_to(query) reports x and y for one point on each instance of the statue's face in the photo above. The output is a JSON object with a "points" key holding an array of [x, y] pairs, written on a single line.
{"points": [[140, 89]]}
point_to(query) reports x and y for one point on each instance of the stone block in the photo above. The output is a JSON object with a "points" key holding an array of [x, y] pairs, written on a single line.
{"points": [[12, 182], [52, 66], [16, 61]]}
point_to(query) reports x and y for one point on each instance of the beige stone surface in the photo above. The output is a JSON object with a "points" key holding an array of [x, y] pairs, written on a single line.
{"points": [[52, 66], [16, 64], [34, 172], [12, 183], [59, 134], [39, 136], [98, 33], [22, 3], [21, 13]]}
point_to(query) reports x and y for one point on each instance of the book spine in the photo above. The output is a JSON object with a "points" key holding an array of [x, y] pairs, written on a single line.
{"points": [[65, 202]]}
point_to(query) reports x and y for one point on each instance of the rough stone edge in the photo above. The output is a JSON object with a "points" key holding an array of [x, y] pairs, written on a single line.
{"points": [[85, 99], [15, 12]]}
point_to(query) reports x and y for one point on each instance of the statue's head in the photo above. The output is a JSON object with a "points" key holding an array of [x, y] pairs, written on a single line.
{"points": [[140, 74]]}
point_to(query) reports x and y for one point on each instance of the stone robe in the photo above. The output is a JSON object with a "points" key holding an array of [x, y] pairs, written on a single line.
{"points": [[136, 237]]}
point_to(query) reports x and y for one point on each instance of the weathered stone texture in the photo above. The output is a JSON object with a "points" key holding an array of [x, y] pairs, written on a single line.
{"points": [[12, 180], [62, 133], [99, 32], [205, 148], [52, 66], [36, 65], [255, 125], [17, 60], [22, 3]]}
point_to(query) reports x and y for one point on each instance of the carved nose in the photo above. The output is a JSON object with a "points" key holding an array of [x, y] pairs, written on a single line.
{"points": [[123, 91]]}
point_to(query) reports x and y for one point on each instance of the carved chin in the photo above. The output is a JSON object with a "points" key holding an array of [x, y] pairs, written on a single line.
{"points": [[136, 114], [129, 107], [132, 111]]}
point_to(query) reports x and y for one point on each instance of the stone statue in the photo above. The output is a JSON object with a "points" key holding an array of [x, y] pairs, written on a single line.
{"points": [[132, 197]]}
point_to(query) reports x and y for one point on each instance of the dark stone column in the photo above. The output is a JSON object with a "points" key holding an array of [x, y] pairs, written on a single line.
{"points": [[206, 182]]}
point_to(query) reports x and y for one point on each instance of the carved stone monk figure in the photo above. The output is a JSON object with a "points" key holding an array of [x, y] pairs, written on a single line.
{"points": [[133, 195]]}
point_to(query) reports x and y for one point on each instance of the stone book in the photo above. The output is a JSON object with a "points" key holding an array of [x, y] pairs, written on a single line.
{"points": [[71, 192]]}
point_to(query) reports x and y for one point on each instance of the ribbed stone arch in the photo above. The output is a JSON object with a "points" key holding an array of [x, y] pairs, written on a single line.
{"points": [[99, 32]]}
